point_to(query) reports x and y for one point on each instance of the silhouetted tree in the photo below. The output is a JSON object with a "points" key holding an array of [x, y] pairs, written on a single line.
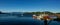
{"points": [[57, 13], [0, 12]]}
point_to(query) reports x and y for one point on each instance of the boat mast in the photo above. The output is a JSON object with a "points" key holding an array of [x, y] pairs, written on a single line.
{"points": [[22, 13]]}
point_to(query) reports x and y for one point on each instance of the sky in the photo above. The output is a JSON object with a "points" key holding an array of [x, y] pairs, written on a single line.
{"points": [[29, 5]]}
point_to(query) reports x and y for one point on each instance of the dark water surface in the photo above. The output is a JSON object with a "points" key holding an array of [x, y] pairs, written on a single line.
{"points": [[13, 20]]}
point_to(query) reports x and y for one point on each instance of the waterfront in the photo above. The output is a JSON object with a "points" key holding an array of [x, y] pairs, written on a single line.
{"points": [[24, 20]]}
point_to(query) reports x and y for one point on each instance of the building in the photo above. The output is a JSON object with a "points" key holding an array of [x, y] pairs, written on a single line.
{"points": [[44, 16]]}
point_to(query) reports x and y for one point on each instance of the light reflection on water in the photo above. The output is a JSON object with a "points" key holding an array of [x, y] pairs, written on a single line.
{"points": [[24, 20]]}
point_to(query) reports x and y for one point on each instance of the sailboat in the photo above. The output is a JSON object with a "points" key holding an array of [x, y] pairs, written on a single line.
{"points": [[21, 14]]}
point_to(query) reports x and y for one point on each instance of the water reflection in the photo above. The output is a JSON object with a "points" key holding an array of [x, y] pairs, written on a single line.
{"points": [[14, 20]]}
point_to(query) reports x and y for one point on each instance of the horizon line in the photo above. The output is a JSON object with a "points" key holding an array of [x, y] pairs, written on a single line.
{"points": [[28, 11]]}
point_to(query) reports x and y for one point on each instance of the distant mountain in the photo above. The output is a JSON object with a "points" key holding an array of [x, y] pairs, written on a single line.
{"points": [[45, 12], [17, 12]]}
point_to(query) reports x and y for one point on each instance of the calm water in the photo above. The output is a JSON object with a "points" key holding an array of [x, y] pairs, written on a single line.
{"points": [[14, 20]]}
